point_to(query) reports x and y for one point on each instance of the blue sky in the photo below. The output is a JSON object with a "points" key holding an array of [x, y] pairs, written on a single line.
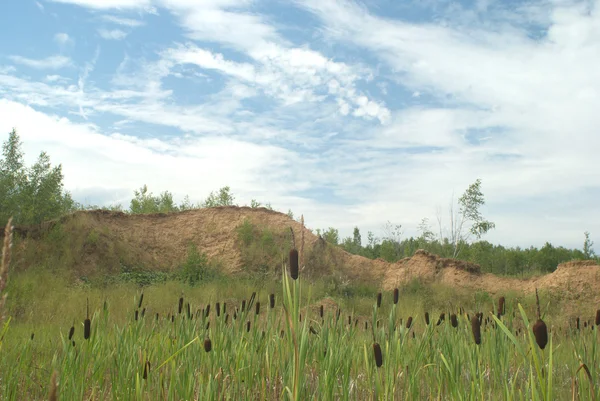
{"points": [[352, 113]]}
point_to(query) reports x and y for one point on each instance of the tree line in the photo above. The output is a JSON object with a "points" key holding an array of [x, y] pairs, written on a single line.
{"points": [[34, 194]]}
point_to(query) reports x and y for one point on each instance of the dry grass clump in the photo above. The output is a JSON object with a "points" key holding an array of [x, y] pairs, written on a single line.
{"points": [[8, 231]]}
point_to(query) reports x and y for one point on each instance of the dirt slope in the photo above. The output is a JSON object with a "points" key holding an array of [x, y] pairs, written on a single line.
{"points": [[162, 240]]}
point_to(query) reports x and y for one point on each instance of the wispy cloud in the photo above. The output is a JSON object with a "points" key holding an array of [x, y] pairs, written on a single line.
{"points": [[50, 63], [112, 34], [128, 22]]}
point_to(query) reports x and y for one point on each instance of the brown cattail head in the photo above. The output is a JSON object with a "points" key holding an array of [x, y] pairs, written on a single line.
{"points": [[598, 317], [409, 322], [577, 322], [218, 307], [136, 315], [207, 345], [501, 306], [427, 318], [378, 355], [379, 300], [248, 326], [143, 312], [294, 263], [476, 329], [32, 336], [87, 328], [71, 332], [272, 301], [243, 305], [146, 370], [396, 295], [321, 311], [540, 331], [180, 304], [441, 319], [258, 308], [454, 320], [141, 300], [366, 325], [207, 310]]}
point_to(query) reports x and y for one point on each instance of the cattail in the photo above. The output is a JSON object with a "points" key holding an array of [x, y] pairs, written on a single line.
{"points": [[146, 370], [441, 319], [378, 355], [501, 310], [396, 295], [32, 335], [427, 318], [294, 264], [300, 317], [243, 305], [87, 323], [224, 307], [136, 315], [172, 318], [409, 322], [143, 312], [218, 307], [454, 320], [180, 305], [476, 329], [272, 301], [258, 308], [379, 300], [349, 320], [141, 300], [226, 317], [73, 343], [207, 345], [71, 332], [598, 317], [207, 310], [366, 325], [53, 393], [207, 325], [188, 310], [157, 316], [87, 328], [321, 311], [248, 326], [540, 331], [577, 322]]}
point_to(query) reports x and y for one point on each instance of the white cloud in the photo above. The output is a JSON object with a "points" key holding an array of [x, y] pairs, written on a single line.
{"points": [[112, 34], [173, 166], [51, 63], [128, 22], [63, 39], [108, 4]]}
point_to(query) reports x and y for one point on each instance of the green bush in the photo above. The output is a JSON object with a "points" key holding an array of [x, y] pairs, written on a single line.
{"points": [[198, 268]]}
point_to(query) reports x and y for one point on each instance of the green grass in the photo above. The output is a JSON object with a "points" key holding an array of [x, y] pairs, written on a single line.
{"points": [[425, 362]]}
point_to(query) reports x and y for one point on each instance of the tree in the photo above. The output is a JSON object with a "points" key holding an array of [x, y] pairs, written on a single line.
{"points": [[468, 213], [588, 251], [145, 202], [30, 195], [425, 230], [221, 198]]}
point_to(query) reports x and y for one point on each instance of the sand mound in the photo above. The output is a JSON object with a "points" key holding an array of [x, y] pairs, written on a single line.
{"points": [[161, 241]]}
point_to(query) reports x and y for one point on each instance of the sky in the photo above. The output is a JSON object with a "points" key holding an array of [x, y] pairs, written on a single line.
{"points": [[350, 113]]}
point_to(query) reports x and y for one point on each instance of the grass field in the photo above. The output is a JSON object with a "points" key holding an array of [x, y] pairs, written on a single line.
{"points": [[283, 352], [286, 338]]}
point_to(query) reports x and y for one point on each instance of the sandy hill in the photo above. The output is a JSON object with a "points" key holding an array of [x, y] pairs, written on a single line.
{"points": [[105, 240]]}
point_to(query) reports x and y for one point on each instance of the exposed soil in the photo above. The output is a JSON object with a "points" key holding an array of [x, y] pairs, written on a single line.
{"points": [[162, 241]]}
